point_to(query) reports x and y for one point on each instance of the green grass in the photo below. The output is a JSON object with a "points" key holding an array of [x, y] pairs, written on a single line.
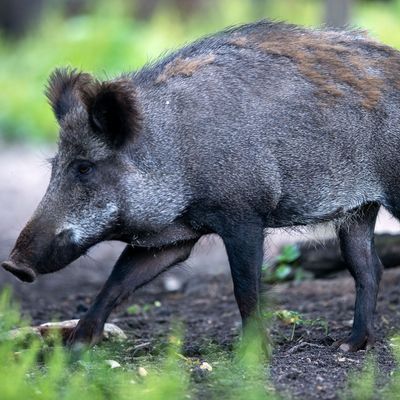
{"points": [[107, 41], [32, 369]]}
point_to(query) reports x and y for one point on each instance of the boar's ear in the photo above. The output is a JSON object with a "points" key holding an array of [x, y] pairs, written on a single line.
{"points": [[113, 111], [63, 90]]}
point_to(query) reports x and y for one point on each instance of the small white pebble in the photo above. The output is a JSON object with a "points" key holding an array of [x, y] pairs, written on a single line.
{"points": [[113, 364], [142, 372], [172, 284], [344, 347], [206, 366]]}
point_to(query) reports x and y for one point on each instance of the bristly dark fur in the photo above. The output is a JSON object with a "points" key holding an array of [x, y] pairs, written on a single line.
{"points": [[112, 109], [63, 88]]}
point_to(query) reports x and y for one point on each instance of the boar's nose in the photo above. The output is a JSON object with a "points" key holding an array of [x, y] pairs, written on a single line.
{"points": [[21, 271]]}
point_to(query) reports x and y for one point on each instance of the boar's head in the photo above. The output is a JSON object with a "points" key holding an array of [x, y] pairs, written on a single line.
{"points": [[97, 191]]}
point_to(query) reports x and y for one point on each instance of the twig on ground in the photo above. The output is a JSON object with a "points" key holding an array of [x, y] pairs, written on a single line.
{"points": [[303, 344]]}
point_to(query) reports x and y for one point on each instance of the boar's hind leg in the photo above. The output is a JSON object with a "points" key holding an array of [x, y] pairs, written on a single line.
{"points": [[134, 268], [244, 247], [357, 244]]}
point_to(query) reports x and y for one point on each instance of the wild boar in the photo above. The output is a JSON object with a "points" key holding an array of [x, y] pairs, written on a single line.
{"points": [[260, 126]]}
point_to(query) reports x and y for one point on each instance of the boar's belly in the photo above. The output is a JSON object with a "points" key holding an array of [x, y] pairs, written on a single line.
{"points": [[303, 210]]}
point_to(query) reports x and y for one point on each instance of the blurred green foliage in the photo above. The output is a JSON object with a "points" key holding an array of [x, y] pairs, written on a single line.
{"points": [[284, 266], [108, 41]]}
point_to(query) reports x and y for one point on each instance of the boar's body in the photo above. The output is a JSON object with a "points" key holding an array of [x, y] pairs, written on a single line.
{"points": [[250, 127], [264, 125]]}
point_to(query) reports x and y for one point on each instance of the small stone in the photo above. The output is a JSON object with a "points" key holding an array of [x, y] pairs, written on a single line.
{"points": [[172, 284], [344, 347], [205, 366], [113, 364], [142, 372], [113, 332]]}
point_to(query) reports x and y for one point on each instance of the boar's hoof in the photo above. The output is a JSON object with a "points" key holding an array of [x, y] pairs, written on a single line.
{"points": [[351, 345], [21, 271], [86, 333], [79, 341]]}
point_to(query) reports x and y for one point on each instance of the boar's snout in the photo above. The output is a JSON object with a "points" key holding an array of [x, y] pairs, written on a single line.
{"points": [[20, 270], [42, 249], [39, 249]]}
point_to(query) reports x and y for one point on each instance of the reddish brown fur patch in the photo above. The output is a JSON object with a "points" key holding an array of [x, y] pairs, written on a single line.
{"points": [[240, 41], [330, 61], [184, 67], [329, 64]]}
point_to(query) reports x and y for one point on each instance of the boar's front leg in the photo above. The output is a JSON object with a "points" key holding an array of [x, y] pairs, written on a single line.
{"points": [[357, 244], [134, 268]]}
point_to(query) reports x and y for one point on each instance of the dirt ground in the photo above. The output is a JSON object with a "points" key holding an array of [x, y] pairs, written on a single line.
{"points": [[304, 366]]}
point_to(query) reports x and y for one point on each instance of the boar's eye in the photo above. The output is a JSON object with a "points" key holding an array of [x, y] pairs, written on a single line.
{"points": [[84, 168]]}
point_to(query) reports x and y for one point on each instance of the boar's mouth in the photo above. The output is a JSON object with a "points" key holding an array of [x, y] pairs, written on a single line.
{"points": [[21, 271]]}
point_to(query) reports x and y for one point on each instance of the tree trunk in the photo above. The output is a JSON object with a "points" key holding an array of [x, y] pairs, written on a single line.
{"points": [[338, 12], [324, 259]]}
